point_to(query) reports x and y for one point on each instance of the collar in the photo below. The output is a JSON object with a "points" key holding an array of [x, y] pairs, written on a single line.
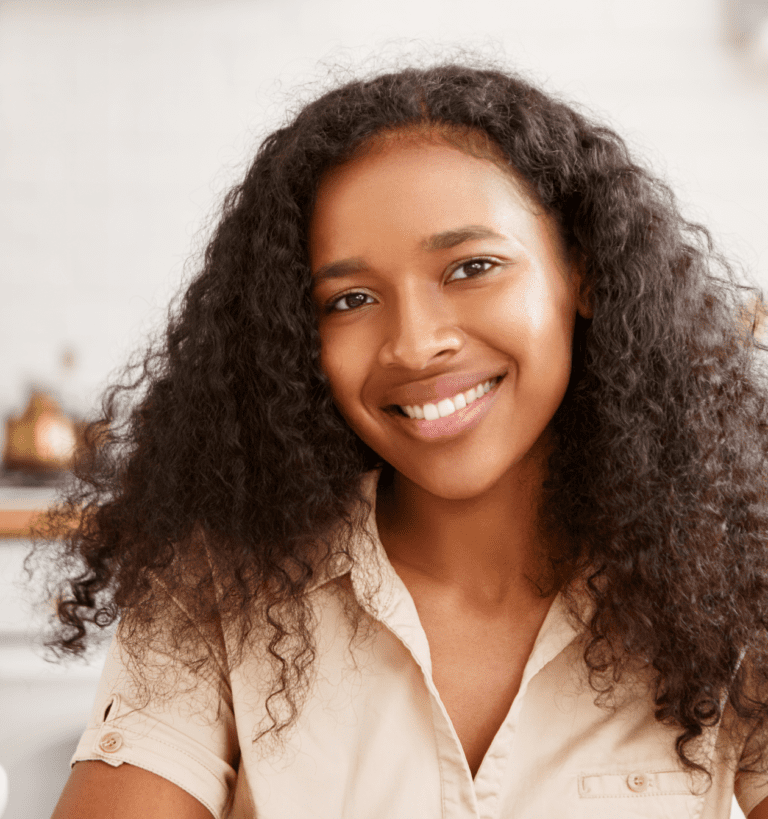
{"points": [[373, 578], [370, 565]]}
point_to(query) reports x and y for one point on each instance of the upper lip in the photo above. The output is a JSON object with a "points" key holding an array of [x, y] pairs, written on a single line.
{"points": [[442, 386]]}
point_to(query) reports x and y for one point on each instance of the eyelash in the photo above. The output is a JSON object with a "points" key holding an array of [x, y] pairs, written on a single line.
{"points": [[330, 307]]}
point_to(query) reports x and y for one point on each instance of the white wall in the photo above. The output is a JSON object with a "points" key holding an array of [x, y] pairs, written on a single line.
{"points": [[122, 122]]}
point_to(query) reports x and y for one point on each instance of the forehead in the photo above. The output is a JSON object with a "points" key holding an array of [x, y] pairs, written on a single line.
{"points": [[412, 185], [469, 142]]}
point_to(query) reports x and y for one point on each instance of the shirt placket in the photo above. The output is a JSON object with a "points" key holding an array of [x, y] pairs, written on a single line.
{"points": [[457, 790], [554, 636], [396, 610], [462, 798]]}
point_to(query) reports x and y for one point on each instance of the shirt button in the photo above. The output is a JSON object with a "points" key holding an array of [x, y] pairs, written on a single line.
{"points": [[111, 742], [638, 782]]}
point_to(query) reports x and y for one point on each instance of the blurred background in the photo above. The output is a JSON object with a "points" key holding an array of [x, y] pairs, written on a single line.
{"points": [[123, 123]]}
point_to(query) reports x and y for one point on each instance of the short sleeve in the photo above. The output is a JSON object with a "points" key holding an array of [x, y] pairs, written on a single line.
{"points": [[190, 740]]}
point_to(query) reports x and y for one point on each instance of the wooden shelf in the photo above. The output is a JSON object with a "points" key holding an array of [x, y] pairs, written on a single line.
{"points": [[19, 506]]}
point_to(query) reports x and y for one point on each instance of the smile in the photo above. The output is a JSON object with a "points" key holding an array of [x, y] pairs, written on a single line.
{"points": [[446, 407]]}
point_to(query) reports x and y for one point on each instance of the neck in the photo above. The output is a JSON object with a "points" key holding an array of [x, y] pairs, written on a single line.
{"points": [[487, 549]]}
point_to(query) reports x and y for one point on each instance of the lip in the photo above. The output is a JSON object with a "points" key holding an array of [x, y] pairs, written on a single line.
{"points": [[454, 424], [443, 386]]}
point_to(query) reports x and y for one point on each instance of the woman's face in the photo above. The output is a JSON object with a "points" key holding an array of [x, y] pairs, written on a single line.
{"points": [[433, 275]]}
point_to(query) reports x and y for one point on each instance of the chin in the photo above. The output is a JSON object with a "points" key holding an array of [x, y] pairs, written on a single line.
{"points": [[454, 484]]}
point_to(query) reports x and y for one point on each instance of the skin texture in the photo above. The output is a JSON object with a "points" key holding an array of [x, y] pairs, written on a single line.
{"points": [[461, 509]]}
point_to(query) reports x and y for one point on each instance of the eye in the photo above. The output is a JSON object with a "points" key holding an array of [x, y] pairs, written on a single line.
{"points": [[472, 268], [346, 302]]}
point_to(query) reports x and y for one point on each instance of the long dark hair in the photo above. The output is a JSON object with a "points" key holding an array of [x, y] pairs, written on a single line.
{"points": [[228, 478]]}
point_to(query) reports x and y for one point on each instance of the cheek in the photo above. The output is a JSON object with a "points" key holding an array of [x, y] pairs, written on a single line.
{"points": [[537, 336], [535, 323], [344, 371]]}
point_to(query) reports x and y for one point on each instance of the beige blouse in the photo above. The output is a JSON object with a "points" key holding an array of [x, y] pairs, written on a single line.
{"points": [[374, 741]]}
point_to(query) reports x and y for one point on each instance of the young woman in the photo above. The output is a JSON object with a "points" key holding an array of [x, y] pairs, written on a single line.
{"points": [[443, 497]]}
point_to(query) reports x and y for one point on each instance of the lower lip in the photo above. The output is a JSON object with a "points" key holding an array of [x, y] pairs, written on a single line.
{"points": [[460, 421]]}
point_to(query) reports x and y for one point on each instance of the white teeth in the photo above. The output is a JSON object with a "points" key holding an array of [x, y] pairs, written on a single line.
{"points": [[431, 412], [446, 407]]}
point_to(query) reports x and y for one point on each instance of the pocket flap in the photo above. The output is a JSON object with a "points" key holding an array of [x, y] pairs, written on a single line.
{"points": [[639, 782]]}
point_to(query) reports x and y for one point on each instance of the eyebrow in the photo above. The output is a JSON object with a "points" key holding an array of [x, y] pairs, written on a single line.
{"points": [[439, 241], [450, 238]]}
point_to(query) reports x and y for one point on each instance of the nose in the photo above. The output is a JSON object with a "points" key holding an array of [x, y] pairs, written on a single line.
{"points": [[422, 327]]}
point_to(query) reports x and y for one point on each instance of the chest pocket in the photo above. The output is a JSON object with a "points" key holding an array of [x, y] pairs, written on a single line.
{"points": [[652, 793]]}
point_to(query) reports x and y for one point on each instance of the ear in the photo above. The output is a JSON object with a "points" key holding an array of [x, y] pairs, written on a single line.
{"points": [[584, 299], [584, 303]]}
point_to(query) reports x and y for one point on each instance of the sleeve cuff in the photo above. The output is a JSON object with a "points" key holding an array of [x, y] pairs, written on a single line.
{"points": [[131, 736]]}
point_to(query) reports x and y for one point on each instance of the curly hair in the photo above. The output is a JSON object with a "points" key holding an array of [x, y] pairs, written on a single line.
{"points": [[226, 460]]}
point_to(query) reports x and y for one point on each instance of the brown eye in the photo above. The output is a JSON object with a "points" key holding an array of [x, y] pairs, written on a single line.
{"points": [[472, 268], [349, 301]]}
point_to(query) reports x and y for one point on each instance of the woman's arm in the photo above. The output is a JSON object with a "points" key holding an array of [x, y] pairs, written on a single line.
{"points": [[96, 790]]}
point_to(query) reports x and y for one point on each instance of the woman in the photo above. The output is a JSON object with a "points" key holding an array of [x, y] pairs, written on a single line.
{"points": [[444, 495]]}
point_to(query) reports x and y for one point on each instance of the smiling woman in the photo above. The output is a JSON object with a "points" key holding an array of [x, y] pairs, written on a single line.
{"points": [[413, 216], [445, 494]]}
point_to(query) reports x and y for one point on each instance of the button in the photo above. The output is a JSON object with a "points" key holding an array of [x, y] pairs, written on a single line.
{"points": [[638, 782], [111, 742]]}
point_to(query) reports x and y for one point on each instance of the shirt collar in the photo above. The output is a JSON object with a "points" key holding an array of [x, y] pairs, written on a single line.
{"points": [[373, 577], [371, 571]]}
